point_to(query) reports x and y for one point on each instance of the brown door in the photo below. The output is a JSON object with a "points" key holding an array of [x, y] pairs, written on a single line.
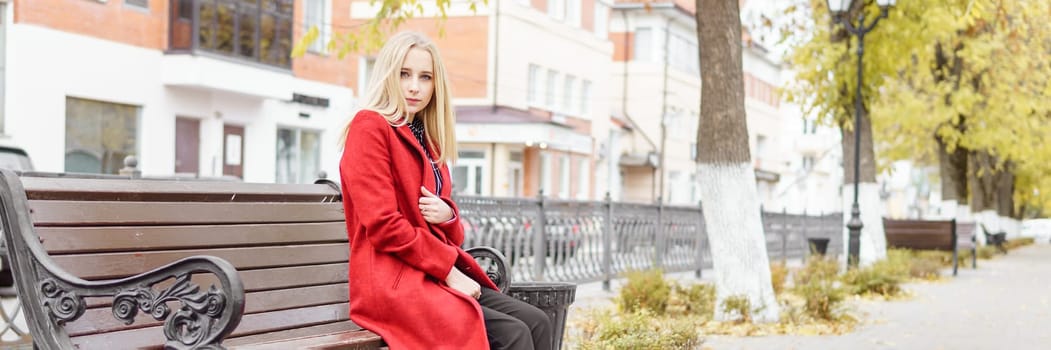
{"points": [[233, 150], [187, 145]]}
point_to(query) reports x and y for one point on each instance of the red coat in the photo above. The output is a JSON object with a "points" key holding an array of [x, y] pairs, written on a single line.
{"points": [[398, 262]]}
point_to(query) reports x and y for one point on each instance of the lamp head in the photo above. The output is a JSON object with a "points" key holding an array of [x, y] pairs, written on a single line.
{"points": [[838, 7]]}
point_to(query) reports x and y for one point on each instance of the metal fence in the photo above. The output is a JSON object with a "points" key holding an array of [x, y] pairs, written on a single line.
{"points": [[586, 241]]}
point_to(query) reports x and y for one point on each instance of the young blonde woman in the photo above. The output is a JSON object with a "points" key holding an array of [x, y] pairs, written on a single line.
{"points": [[410, 281]]}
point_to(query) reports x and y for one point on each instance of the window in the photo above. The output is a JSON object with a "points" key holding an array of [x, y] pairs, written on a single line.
{"points": [[365, 65], [467, 174], [532, 95], [760, 146], [583, 176], [585, 97], [552, 81], [567, 93], [601, 20], [142, 4], [643, 44], [298, 155], [545, 173], [515, 172], [318, 14], [557, 9], [99, 135], [252, 30], [683, 55], [573, 12], [563, 180]]}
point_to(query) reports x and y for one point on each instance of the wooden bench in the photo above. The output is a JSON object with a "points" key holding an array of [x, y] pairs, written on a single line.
{"points": [[996, 239], [132, 263], [944, 235]]}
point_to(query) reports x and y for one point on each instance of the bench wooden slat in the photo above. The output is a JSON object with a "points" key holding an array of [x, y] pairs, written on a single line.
{"points": [[65, 240], [116, 265], [156, 190], [152, 337], [328, 328], [287, 277], [101, 319], [105, 213], [357, 340]]}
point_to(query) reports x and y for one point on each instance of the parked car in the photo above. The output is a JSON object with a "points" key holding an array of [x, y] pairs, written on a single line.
{"points": [[13, 157]]}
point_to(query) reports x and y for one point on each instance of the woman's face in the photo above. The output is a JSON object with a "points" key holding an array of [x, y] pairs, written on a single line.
{"points": [[417, 79]]}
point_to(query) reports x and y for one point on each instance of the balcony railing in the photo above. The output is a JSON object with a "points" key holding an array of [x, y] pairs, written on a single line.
{"points": [[258, 31]]}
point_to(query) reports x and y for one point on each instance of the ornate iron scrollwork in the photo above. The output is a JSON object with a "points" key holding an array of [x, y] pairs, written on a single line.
{"points": [[62, 305], [191, 325]]}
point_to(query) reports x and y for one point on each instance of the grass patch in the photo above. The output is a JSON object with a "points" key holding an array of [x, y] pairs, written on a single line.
{"points": [[1019, 242], [644, 290], [778, 275], [641, 329]]}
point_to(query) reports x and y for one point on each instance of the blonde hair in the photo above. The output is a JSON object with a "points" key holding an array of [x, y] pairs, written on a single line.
{"points": [[385, 95]]}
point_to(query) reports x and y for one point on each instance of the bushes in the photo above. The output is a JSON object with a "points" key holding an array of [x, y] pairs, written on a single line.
{"points": [[644, 290], [652, 313], [641, 329], [778, 275]]}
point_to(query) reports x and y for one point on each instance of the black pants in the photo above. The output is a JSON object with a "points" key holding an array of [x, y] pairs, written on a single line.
{"points": [[512, 324]]}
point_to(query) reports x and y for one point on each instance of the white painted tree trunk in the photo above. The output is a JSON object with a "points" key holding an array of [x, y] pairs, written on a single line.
{"points": [[1011, 226], [948, 209], [873, 241], [991, 220], [737, 241], [963, 213]]}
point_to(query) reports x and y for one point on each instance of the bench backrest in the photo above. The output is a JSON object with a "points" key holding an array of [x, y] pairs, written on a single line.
{"points": [[965, 233], [920, 234], [287, 242]]}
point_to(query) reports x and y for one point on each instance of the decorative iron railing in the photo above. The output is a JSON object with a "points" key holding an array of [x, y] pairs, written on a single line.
{"points": [[587, 241]]}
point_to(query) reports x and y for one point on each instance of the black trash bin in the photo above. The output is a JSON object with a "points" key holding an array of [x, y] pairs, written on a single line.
{"points": [[553, 298], [818, 245]]}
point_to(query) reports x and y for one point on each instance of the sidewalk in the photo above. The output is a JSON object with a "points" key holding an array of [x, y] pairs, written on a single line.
{"points": [[1005, 304]]}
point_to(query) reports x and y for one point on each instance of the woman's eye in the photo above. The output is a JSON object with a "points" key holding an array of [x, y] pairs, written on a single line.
{"points": [[405, 74], [426, 77]]}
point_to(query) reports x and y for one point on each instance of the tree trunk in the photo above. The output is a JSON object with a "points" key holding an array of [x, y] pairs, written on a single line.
{"points": [[873, 242], [983, 191], [1005, 188], [952, 166], [727, 179]]}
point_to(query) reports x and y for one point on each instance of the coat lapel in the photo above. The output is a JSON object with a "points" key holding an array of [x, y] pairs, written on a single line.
{"points": [[425, 172]]}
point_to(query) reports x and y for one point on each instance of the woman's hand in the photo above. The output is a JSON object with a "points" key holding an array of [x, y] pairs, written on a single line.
{"points": [[434, 209], [463, 284]]}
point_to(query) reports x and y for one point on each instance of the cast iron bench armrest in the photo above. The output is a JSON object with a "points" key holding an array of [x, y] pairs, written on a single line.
{"points": [[54, 297], [204, 318]]}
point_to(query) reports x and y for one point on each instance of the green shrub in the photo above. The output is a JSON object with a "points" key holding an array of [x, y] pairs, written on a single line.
{"points": [[986, 252], [883, 278], [822, 298], [644, 290], [641, 329], [1019, 242], [816, 268], [927, 267], [696, 300], [778, 274], [941, 257], [740, 306]]}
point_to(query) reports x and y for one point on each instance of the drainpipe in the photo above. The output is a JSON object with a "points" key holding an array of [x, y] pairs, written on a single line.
{"points": [[3, 63], [664, 106], [496, 55]]}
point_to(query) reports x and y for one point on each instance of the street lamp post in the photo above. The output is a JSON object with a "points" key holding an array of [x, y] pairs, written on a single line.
{"points": [[840, 10]]}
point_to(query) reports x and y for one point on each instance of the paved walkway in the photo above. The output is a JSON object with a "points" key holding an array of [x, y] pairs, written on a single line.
{"points": [[1005, 304]]}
